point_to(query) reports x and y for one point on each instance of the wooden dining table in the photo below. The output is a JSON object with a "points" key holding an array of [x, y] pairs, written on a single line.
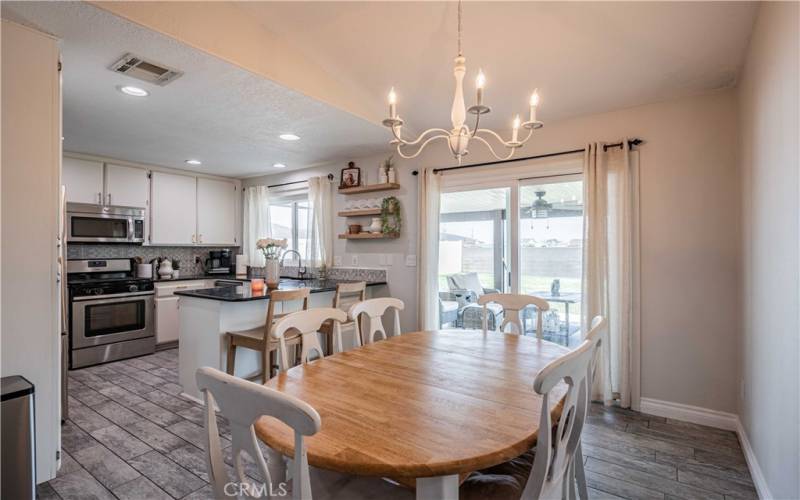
{"points": [[423, 408]]}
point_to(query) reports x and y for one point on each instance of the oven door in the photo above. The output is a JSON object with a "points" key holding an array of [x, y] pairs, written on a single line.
{"points": [[105, 319], [104, 228]]}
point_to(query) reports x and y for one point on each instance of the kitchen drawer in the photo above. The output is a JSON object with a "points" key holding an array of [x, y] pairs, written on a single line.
{"points": [[167, 289]]}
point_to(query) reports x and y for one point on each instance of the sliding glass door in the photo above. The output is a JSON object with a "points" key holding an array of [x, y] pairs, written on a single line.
{"points": [[522, 237]]}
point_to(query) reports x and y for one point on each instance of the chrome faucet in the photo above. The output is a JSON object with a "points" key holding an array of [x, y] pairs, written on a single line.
{"points": [[301, 269]]}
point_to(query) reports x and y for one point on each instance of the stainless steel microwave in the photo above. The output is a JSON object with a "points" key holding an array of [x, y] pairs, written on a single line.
{"points": [[87, 223]]}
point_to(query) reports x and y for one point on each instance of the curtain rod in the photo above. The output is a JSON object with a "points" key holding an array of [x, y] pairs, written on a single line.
{"points": [[631, 143], [330, 178]]}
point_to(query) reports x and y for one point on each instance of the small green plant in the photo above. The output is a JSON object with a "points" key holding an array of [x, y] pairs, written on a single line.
{"points": [[391, 220]]}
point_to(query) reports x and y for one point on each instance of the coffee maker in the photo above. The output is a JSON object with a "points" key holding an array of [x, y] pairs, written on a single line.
{"points": [[219, 262]]}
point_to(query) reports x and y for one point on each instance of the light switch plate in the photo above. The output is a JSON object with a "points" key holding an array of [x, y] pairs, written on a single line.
{"points": [[337, 260], [411, 260]]}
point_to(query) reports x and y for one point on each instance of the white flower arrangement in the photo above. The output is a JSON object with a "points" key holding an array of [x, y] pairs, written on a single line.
{"points": [[271, 247]]}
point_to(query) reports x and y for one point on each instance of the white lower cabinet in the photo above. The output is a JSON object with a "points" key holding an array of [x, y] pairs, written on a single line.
{"points": [[167, 314]]}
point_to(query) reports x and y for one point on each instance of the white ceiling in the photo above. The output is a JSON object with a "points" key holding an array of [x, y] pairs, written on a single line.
{"points": [[219, 113], [585, 57]]}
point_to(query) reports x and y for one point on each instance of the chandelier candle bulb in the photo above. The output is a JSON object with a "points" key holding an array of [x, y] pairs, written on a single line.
{"points": [[534, 104], [480, 82], [392, 104], [515, 130]]}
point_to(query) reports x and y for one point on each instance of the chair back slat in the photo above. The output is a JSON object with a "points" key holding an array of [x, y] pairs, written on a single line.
{"points": [[307, 323], [242, 403], [513, 304], [374, 309], [551, 473], [283, 297]]}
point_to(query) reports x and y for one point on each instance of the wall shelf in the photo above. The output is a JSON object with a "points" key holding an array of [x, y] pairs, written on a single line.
{"points": [[368, 236], [370, 188], [360, 212]]}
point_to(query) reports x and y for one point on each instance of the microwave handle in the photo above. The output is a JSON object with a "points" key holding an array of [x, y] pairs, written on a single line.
{"points": [[131, 226]]}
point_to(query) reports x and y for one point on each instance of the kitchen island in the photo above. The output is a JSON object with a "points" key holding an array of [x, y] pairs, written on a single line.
{"points": [[206, 314]]}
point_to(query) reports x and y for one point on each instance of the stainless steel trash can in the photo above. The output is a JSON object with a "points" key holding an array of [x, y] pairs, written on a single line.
{"points": [[16, 439]]}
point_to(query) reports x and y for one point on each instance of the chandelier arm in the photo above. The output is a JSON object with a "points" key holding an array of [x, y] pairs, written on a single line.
{"points": [[422, 146], [477, 123], [491, 149], [505, 143], [421, 136]]}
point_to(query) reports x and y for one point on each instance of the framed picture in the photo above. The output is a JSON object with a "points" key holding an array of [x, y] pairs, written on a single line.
{"points": [[351, 176]]}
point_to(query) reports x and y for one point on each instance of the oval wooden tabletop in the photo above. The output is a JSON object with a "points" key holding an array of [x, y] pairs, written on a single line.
{"points": [[423, 404]]}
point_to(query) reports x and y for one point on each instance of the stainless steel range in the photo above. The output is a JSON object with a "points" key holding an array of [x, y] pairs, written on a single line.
{"points": [[111, 312]]}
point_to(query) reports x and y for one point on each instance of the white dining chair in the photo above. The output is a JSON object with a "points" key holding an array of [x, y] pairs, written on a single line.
{"points": [[546, 472], [374, 310], [513, 304], [595, 335], [345, 296], [307, 324], [242, 403]]}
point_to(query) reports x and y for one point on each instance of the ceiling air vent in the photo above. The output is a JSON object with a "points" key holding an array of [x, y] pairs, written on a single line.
{"points": [[142, 69]]}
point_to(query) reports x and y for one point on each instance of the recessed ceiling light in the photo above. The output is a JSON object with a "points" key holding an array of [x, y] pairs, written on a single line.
{"points": [[134, 91], [279, 165], [290, 137], [194, 162]]}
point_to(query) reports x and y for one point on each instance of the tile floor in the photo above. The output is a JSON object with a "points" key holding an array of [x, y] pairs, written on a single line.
{"points": [[130, 436]]}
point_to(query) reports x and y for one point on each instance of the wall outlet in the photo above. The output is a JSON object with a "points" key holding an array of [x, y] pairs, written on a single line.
{"points": [[354, 260], [337, 260], [411, 260], [382, 259], [389, 259]]}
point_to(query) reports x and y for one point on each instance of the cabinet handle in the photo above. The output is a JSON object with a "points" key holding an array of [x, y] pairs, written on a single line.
{"points": [[99, 198], [194, 239], [109, 199], [199, 238]]}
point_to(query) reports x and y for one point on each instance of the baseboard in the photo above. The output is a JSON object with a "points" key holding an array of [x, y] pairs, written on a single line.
{"points": [[688, 413], [711, 418], [759, 480]]}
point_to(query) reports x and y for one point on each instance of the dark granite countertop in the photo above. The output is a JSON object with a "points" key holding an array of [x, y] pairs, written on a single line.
{"points": [[243, 293]]}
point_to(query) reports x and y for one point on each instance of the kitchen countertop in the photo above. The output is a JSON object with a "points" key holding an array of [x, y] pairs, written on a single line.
{"points": [[243, 293]]}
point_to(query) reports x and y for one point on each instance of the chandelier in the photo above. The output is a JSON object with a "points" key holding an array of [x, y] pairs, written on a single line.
{"points": [[459, 136]]}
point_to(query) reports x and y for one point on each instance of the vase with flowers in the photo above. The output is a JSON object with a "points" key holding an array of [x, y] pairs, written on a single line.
{"points": [[272, 249]]}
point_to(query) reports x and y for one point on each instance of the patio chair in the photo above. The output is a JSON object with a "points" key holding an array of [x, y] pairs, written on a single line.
{"points": [[448, 309], [467, 289]]}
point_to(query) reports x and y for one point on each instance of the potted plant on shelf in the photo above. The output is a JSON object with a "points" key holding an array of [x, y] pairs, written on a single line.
{"points": [[272, 249], [391, 222]]}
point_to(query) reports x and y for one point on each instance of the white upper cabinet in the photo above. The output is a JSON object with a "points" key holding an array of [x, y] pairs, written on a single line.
{"points": [[173, 209], [84, 180], [126, 186], [216, 212]]}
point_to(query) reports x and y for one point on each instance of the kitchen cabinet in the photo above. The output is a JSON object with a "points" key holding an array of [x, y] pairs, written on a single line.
{"points": [[167, 316], [173, 209], [126, 186], [216, 212], [83, 179]]}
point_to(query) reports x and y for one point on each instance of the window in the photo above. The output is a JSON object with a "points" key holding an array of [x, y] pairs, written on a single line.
{"points": [[289, 219]]}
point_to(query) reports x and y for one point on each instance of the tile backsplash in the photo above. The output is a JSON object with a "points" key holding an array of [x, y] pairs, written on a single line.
{"points": [[186, 255]]}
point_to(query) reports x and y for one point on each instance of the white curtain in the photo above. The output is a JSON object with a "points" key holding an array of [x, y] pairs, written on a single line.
{"points": [[255, 222], [319, 244], [428, 249], [610, 266]]}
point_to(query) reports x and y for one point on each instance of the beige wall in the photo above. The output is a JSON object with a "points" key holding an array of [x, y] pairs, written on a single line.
{"points": [[768, 98], [690, 236]]}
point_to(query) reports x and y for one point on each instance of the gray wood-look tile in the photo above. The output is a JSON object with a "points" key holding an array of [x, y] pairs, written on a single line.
{"points": [[140, 488], [168, 475], [121, 442], [44, 491], [80, 485], [110, 470], [130, 414]]}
